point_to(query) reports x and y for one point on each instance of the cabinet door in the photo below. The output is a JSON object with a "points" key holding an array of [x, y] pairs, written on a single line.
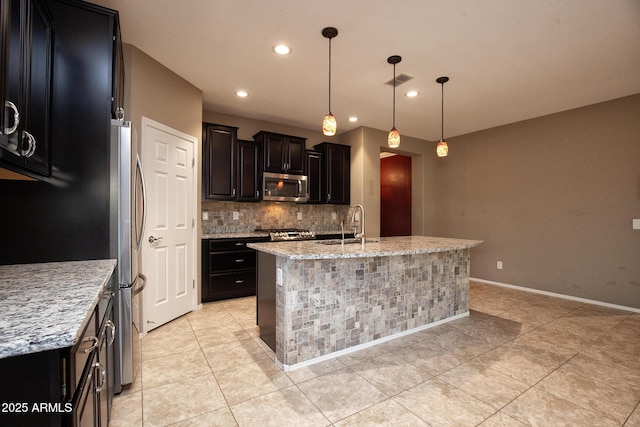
{"points": [[248, 172], [117, 86], [295, 155], [219, 151], [25, 82], [274, 150], [313, 170], [338, 174]]}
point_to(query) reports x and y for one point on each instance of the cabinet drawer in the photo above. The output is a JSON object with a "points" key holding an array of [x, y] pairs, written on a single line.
{"points": [[229, 261], [220, 245], [232, 281]]}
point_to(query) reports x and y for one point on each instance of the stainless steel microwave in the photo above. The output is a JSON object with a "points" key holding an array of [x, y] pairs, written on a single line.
{"points": [[282, 187]]}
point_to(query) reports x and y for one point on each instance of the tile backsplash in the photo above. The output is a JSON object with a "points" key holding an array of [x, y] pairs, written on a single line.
{"points": [[237, 217]]}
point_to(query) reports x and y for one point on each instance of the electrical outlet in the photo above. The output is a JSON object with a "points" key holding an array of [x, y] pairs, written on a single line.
{"points": [[205, 216], [334, 216], [299, 215], [236, 215], [279, 277], [636, 224], [357, 216], [499, 265]]}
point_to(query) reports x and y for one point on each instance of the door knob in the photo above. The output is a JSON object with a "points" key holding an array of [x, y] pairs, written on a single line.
{"points": [[154, 239]]}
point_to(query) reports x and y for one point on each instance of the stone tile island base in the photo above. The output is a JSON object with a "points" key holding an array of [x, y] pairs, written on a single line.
{"points": [[331, 305]]}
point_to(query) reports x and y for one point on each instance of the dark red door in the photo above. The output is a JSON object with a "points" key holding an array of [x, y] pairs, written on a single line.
{"points": [[395, 196]]}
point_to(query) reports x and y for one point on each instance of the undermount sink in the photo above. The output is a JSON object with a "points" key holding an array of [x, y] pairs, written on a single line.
{"points": [[346, 241]]}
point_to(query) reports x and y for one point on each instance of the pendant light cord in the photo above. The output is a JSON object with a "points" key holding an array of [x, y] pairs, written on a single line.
{"points": [[394, 96], [442, 113], [330, 75]]}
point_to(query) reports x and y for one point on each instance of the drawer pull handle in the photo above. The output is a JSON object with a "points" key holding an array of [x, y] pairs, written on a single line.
{"points": [[239, 244], [93, 347], [240, 260], [239, 282], [103, 377]]}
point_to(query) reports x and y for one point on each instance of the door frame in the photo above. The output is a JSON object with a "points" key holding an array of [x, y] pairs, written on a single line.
{"points": [[193, 197]]}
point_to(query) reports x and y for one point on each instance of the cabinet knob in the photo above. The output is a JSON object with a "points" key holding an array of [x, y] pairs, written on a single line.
{"points": [[239, 282], [240, 260]]}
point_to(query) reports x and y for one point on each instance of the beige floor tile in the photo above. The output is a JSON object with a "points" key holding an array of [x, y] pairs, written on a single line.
{"points": [[603, 399], [536, 346], [430, 357], [181, 400], [387, 413], [539, 408], [220, 418], [634, 418], [341, 393], [495, 330], [441, 404], [250, 380], [127, 410], [174, 367], [463, 344], [484, 383], [618, 375], [360, 355], [230, 354], [282, 408], [163, 342], [204, 319], [215, 335], [500, 419], [390, 373], [308, 372], [517, 365]]}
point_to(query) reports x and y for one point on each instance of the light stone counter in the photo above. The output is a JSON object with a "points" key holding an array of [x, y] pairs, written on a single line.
{"points": [[46, 306], [318, 301], [385, 246]]}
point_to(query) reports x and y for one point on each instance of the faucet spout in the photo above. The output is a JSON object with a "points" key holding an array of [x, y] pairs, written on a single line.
{"points": [[360, 235]]}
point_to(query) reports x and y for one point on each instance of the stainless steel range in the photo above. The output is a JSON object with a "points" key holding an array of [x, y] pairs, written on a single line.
{"points": [[286, 234]]}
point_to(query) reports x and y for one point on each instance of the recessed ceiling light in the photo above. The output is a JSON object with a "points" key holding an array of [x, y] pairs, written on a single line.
{"points": [[282, 49], [412, 93], [353, 119], [242, 93]]}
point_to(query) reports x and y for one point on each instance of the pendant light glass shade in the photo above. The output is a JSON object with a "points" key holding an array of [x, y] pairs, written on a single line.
{"points": [[329, 125], [442, 149], [393, 140]]}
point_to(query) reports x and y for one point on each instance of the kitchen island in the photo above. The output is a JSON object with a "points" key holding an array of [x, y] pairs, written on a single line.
{"points": [[321, 299]]}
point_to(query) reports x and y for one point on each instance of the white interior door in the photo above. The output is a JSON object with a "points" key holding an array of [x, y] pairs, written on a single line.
{"points": [[168, 246]]}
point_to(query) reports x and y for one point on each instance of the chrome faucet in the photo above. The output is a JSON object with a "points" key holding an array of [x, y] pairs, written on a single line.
{"points": [[353, 219]]}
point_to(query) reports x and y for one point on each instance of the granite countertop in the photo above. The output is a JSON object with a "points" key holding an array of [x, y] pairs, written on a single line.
{"points": [[385, 246], [46, 306]]}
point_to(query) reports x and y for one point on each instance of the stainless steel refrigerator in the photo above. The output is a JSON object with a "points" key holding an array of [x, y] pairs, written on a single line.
{"points": [[127, 217]]}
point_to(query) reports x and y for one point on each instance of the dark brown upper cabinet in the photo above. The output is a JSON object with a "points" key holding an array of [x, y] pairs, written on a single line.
{"points": [[248, 185], [313, 170], [219, 161], [25, 86], [230, 168], [335, 173], [281, 153]]}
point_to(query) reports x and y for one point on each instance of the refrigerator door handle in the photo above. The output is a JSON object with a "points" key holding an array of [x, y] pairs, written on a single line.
{"points": [[135, 290], [140, 175]]}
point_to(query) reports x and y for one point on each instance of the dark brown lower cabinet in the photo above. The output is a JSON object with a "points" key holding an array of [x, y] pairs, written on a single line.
{"points": [[228, 268]]}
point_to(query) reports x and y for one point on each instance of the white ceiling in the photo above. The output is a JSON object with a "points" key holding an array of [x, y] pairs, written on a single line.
{"points": [[507, 60]]}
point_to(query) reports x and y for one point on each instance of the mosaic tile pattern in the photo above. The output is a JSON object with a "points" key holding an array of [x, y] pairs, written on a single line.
{"points": [[271, 215], [329, 305]]}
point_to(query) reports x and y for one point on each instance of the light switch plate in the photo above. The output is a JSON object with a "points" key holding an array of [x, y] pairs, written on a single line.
{"points": [[279, 277], [499, 265], [205, 216], [334, 215], [299, 215], [236, 215], [636, 224]]}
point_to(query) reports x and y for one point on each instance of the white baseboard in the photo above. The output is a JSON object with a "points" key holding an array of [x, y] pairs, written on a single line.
{"points": [[553, 294]]}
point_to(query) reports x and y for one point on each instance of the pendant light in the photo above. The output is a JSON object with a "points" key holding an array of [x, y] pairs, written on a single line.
{"points": [[442, 149], [393, 140], [329, 122]]}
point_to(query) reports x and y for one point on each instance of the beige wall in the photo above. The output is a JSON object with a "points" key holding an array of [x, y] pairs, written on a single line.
{"points": [[154, 91], [553, 198]]}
